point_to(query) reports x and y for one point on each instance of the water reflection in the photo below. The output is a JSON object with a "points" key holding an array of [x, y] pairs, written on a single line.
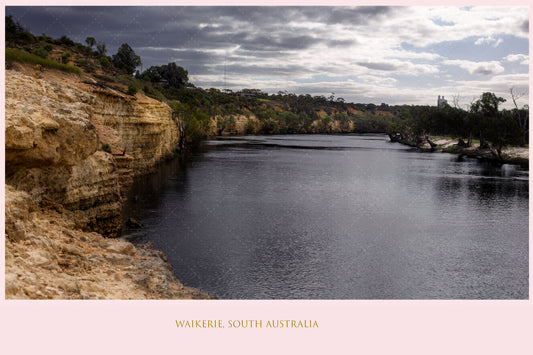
{"points": [[350, 217]]}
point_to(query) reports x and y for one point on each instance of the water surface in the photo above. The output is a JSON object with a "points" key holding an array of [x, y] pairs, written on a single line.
{"points": [[337, 217]]}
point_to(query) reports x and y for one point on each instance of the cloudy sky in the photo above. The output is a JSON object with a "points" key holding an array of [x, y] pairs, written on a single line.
{"points": [[396, 55]]}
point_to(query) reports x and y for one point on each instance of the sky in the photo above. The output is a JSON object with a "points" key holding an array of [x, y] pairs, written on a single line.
{"points": [[393, 55]]}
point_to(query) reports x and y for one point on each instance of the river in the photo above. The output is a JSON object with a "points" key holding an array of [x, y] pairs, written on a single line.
{"points": [[337, 217]]}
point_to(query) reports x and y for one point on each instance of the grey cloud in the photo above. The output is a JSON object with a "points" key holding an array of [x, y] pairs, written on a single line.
{"points": [[378, 66], [192, 60], [525, 26], [358, 15], [484, 71], [263, 53], [258, 70], [278, 42], [341, 42]]}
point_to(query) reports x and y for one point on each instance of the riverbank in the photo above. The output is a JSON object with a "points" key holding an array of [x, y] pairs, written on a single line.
{"points": [[72, 149], [50, 259], [510, 155]]}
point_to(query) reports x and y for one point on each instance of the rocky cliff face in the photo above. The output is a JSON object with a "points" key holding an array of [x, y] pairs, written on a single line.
{"points": [[55, 129], [63, 191]]}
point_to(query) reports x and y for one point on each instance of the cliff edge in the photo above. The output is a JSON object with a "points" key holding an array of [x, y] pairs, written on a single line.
{"points": [[72, 147]]}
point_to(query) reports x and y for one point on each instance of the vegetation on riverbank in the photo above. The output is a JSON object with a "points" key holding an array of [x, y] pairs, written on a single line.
{"points": [[483, 123]]}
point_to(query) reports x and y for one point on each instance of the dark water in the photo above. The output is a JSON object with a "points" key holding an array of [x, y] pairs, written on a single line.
{"points": [[338, 217]]}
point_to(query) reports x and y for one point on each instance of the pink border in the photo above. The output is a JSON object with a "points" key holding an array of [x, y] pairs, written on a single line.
{"points": [[361, 327]]}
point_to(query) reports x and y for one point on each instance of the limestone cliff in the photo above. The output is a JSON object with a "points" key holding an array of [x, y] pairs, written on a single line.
{"points": [[55, 129], [71, 148]]}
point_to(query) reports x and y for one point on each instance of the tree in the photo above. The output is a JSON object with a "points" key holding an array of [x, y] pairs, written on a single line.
{"points": [[522, 116], [12, 27], [455, 99], [101, 49], [175, 75], [501, 131], [90, 42], [482, 110], [487, 104], [152, 74], [16, 33], [126, 59]]}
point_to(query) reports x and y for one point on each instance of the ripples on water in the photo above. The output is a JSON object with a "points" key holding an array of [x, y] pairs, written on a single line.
{"points": [[338, 217]]}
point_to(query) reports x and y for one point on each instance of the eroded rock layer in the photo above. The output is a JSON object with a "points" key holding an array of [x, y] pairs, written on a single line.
{"points": [[71, 149], [55, 134]]}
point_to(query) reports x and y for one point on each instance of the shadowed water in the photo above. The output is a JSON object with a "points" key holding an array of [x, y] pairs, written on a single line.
{"points": [[337, 217]]}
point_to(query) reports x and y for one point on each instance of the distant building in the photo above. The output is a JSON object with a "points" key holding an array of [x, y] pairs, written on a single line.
{"points": [[246, 94], [441, 101]]}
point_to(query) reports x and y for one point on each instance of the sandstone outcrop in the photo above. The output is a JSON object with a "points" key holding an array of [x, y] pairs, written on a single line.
{"points": [[64, 190], [54, 136], [48, 258]]}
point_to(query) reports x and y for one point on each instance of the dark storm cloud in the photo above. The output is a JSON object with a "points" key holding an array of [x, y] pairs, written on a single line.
{"points": [[255, 32], [251, 27]]}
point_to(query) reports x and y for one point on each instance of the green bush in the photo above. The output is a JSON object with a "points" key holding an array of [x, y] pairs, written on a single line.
{"points": [[104, 62], [132, 90], [17, 55], [41, 52], [48, 48], [251, 127], [64, 40], [44, 38], [65, 57]]}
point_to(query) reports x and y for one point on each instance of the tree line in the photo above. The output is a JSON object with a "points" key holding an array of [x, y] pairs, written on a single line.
{"points": [[483, 121]]}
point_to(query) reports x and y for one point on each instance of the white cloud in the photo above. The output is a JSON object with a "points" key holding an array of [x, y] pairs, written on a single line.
{"points": [[397, 66], [412, 55], [479, 68], [419, 26], [488, 41], [372, 79], [522, 58]]}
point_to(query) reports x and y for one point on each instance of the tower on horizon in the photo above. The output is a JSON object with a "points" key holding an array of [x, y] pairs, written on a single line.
{"points": [[441, 101]]}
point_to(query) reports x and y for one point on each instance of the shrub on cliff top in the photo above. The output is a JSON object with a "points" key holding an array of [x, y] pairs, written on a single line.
{"points": [[41, 52], [16, 55], [104, 62], [132, 90]]}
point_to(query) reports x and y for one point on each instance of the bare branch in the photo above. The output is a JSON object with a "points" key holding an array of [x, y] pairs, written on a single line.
{"points": [[455, 100]]}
